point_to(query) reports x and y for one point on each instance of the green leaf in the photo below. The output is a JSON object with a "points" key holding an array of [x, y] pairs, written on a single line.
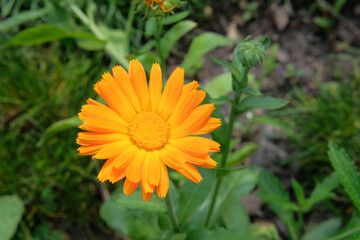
{"points": [[299, 192], [273, 192], [170, 235], [352, 228], [241, 154], [217, 234], [219, 85], [266, 42], [170, 38], [59, 126], [135, 201], [219, 134], [252, 91], [322, 22], [192, 195], [322, 191], [234, 71], [221, 100], [323, 230], [46, 33], [262, 102], [200, 46], [11, 209], [22, 17], [349, 176], [130, 222], [171, 19], [237, 219], [235, 186], [150, 27]]}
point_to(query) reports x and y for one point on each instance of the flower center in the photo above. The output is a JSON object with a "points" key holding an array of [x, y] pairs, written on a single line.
{"points": [[149, 131]]}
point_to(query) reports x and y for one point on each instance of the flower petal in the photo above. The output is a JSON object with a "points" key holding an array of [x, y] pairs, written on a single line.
{"points": [[155, 86], [103, 126], [197, 146], [171, 93], [111, 150], [134, 171], [114, 97], [123, 80], [130, 187], [154, 171], [171, 157], [211, 125], [126, 156], [194, 122], [190, 172], [163, 187], [189, 100], [138, 79]]}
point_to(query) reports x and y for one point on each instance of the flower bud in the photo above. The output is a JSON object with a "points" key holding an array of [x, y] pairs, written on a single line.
{"points": [[156, 8], [251, 52]]}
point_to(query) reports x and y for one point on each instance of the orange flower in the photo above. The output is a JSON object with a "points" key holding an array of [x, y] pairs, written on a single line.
{"points": [[151, 2], [144, 130]]}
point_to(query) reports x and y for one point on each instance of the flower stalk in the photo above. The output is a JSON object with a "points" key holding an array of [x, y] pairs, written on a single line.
{"points": [[172, 214]]}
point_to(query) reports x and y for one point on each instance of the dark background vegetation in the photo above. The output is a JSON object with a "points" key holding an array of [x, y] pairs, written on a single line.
{"points": [[314, 63]]}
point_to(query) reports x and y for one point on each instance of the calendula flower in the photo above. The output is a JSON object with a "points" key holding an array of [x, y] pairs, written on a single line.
{"points": [[162, 4], [144, 130]]}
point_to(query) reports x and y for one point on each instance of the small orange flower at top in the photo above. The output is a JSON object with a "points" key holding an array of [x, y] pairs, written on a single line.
{"points": [[151, 2], [144, 130]]}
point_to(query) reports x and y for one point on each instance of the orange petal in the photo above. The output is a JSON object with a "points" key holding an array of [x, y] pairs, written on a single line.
{"points": [[190, 172], [103, 126], [89, 150], [172, 93], [211, 125], [125, 157], [155, 86], [189, 100], [134, 171], [105, 170], [113, 96], [123, 80], [138, 79], [154, 169], [117, 174], [97, 138], [111, 150], [171, 157], [163, 187], [102, 112], [194, 122], [146, 195], [130, 187], [145, 185], [197, 146]]}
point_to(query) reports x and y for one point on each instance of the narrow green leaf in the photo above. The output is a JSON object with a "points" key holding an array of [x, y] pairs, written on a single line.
{"points": [[241, 154], [59, 126], [150, 27], [221, 100], [266, 42], [200, 46], [171, 19], [229, 66], [299, 192], [11, 209], [22, 17], [252, 91], [262, 102], [235, 186], [135, 201], [192, 195], [348, 174], [322, 191], [174, 34], [219, 85], [237, 219], [46, 33], [324, 230]]}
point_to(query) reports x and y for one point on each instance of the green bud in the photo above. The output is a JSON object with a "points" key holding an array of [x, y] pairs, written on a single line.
{"points": [[250, 52]]}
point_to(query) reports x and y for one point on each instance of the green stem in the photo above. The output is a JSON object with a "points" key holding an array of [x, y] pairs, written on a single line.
{"points": [[129, 23], [159, 28], [172, 214], [226, 145]]}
